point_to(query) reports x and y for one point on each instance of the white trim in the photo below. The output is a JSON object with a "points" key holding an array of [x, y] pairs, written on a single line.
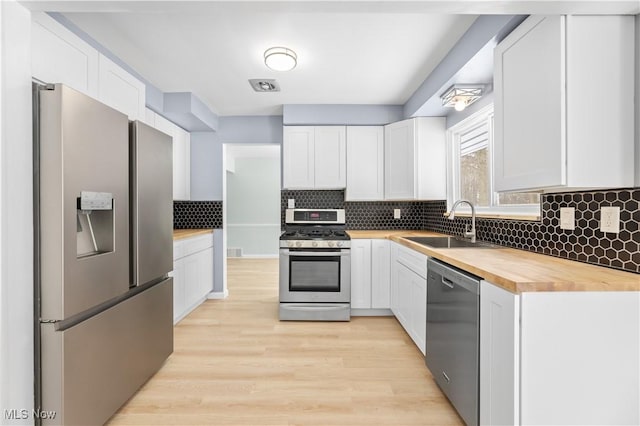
{"points": [[371, 312], [218, 295]]}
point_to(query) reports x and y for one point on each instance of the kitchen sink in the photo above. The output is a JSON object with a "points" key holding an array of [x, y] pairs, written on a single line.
{"points": [[450, 242]]}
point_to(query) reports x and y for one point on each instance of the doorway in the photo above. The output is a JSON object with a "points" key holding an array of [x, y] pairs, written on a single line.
{"points": [[252, 200]]}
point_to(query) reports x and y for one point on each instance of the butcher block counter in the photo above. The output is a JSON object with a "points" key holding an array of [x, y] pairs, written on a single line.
{"points": [[517, 270], [180, 234]]}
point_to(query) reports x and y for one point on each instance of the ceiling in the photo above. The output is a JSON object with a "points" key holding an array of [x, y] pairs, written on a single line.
{"points": [[351, 52]]}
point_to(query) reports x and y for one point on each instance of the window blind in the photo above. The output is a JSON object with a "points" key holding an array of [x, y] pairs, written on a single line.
{"points": [[474, 139]]}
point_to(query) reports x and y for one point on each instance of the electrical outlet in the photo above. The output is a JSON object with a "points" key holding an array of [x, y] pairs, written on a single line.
{"points": [[568, 218], [610, 219], [291, 203], [396, 213]]}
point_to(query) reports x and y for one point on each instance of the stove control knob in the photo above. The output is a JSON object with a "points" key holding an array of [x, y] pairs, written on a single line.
{"points": [[290, 243], [315, 244], [339, 243], [298, 243], [331, 244]]}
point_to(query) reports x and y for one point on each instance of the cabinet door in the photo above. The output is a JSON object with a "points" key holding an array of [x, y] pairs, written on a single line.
{"points": [[499, 356], [395, 278], [178, 290], [399, 166], [365, 163], [59, 56], [530, 114], [330, 152], [181, 164], [403, 293], [298, 157], [380, 274], [120, 90], [206, 272], [418, 310], [192, 273], [361, 274], [181, 157]]}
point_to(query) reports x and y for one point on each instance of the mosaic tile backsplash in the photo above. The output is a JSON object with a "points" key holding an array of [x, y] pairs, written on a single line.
{"points": [[197, 214], [585, 244], [358, 215]]}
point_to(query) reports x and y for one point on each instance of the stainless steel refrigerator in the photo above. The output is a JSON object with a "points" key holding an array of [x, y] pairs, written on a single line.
{"points": [[104, 247]]}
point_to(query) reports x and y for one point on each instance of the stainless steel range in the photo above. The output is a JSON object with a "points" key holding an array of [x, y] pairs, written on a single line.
{"points": [[315, 266]]}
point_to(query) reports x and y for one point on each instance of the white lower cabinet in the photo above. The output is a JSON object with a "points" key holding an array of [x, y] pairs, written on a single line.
{"points": [[192, 274], [409, 292], [380, 274], [559, 357], [499, 356], [370, 275]]}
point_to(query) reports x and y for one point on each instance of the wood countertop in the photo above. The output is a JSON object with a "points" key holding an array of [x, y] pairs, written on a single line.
{"points": [[180, 234], [515, 270]]}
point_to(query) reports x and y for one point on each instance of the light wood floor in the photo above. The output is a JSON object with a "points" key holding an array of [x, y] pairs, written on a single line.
{"points": [[235, 364]]}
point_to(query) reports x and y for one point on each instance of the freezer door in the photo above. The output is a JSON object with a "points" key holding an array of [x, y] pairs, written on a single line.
{"points": [[92, 368], [152, 203], [83, 202]]}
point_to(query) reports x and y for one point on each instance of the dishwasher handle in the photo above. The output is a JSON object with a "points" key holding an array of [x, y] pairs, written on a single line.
{"points": [[447, 282]]}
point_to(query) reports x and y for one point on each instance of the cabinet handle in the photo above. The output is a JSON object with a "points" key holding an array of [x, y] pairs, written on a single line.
{"points": [[446, 377], [447, 282]]}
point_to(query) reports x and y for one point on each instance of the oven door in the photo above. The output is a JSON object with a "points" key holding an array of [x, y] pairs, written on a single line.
{"points": [[315, 275]]}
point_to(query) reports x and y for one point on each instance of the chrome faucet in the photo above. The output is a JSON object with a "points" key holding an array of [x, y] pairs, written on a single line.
{"points": [[468, 233]]}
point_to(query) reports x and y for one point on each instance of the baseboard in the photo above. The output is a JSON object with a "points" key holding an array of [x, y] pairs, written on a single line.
{"points": [[218, 294]]}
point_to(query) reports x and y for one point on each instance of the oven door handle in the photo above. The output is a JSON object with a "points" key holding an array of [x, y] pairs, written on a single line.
{"points": [[314, 253]]}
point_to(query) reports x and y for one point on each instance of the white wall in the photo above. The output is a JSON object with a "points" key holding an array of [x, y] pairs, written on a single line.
{"points": [[16, 229], [253, 205]]}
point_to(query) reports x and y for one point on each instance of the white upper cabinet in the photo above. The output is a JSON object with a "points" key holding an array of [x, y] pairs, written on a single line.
{"points": [[298, 157], [415, 160], [564, 112], [181, 156], [314, 157], [365, 163], [120, 90], [59, 56], [330, 157]]}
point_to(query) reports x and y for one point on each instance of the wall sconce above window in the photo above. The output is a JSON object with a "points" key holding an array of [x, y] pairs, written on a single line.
{"points": [[460, 96]]}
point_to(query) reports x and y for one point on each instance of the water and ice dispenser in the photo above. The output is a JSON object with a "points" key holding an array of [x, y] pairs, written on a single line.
{"points": [[95, 226]]}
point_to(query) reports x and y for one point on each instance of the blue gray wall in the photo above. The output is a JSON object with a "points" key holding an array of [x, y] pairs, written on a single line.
{"points": [[206, 149]]}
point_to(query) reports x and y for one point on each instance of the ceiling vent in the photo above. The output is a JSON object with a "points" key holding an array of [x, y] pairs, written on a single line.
{"points": [[264, 85]]}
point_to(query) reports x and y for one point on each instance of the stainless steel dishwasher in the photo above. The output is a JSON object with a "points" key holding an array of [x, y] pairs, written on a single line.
{"points": [[452, 334]]}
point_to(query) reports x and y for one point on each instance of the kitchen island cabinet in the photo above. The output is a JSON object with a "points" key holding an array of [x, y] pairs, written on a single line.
{"points": [[192, 272], [562, 120]]}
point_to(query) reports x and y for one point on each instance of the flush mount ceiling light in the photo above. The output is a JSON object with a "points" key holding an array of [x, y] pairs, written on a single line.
{"points": [[280, 59], [460, 96]]}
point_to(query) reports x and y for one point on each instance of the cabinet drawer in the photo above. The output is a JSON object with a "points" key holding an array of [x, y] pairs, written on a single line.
{"points": [[417, 262], [192, 245]]}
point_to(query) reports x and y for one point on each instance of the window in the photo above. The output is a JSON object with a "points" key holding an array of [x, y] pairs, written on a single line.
{"points": [[470, 146]]}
